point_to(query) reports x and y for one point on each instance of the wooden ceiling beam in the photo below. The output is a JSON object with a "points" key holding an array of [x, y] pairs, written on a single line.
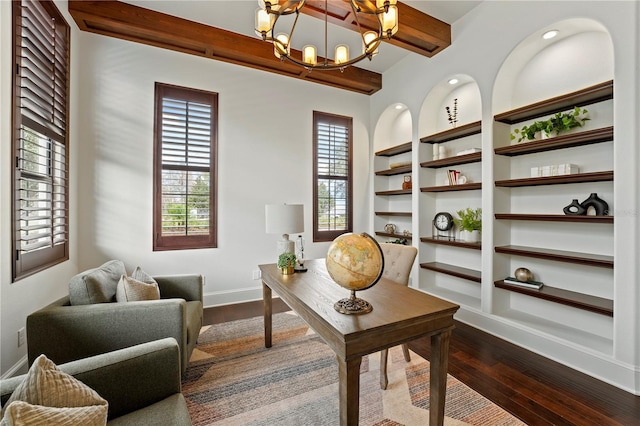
{"points": [[417, 32], [134, 23]]}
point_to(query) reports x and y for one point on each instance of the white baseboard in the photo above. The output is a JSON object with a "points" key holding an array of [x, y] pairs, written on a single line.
{"points": [[597, 365], [18, 368], [231, 297]]}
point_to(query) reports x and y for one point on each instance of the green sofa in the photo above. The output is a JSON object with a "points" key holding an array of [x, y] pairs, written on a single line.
{"points": [[65, 332], [141, 383]]}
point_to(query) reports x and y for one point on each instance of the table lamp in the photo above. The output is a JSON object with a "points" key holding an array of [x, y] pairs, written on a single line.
{"points": [[284, 219]]}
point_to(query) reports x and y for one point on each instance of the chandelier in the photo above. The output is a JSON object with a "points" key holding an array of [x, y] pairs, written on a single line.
{"points": [[267, 15]]}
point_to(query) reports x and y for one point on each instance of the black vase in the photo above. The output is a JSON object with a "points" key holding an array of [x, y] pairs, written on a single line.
{"points": [[601, 207], [575, 209]]}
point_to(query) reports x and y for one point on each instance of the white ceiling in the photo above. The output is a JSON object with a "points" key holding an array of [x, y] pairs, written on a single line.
{"points": [[238, 16]]}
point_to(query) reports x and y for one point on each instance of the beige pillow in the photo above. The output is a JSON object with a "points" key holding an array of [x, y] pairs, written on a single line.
{"points": [[20, 413], [131, 290], [46, 386]]}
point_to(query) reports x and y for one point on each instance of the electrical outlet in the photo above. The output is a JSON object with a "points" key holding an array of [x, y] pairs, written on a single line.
{"points": [[257, 274], [22, 336]]}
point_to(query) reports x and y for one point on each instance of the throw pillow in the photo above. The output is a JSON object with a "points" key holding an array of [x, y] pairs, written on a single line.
{"points": [[45, 385], [140, 275], [21, 413], [96, 285], [131, 290]]}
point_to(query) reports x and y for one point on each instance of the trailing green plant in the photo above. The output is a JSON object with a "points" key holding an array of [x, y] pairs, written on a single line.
{"points": [[286, 260], [560, 122], [469, 220], [402, 241]]}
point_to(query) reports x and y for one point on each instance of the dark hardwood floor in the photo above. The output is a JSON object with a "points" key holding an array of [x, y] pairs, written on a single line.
{"points": [[533, 388]]}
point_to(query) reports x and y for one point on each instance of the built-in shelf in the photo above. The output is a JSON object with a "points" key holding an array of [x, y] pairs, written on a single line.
{"points": [[447, 188], [455, 133], [456, 271], [474, 157], [565, 297], [588, 137], [395, 150], [454, 243], [599, 260], [394, 192], [390, 235], [589, 95], [395, 171], [555, 218], [556, 180], [405, 214]]}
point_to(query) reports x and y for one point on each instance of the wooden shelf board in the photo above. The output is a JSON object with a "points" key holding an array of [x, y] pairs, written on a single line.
{"points": [[387, 234], [555, 218], [557, 180], [474, 157], [406, 214], [589, 95], [587, 137], [456, 271], [395, 171], [598, 260], [447, 188], [455, 243], [395, 150], [455, 133], [394, 192], [565, 297]]}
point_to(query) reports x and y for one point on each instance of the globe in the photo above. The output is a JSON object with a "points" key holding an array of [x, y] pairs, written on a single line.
{"points": [[355, 262]]}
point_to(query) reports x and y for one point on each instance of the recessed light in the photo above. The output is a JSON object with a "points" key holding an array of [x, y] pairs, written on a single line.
{"points": [[399, 106], [550, 34], [453, 81]]}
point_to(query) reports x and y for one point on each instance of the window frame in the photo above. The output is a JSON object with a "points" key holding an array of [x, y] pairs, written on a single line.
{"points": [[339, 120], [184, 242], [53, 128]]}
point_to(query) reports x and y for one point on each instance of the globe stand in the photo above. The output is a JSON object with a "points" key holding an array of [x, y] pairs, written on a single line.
{"points": [[353, 305]]}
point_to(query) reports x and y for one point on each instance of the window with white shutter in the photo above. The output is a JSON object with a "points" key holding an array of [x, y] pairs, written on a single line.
{"points": [[40, 139], [332, 165], [185, 168]]}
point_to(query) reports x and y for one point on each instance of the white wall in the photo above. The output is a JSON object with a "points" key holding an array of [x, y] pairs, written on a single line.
{"points": [[482, 41]]}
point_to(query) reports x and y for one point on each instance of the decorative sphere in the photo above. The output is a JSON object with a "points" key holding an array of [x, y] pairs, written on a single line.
{"points": [[355, 261], [523, 274]]}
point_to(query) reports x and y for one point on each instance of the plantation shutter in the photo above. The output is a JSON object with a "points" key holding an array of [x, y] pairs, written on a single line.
{"points": [[333, 209], [40, 137], [185, 146]]}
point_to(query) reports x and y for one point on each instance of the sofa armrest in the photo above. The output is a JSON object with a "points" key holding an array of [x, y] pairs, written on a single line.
{"points": [[129, 379], [187, 287], [68, 333]]}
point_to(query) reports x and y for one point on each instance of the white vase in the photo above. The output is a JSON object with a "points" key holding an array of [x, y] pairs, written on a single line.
{"points": [[470, 236]]}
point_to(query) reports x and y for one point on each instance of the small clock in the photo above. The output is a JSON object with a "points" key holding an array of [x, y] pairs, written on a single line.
{"points": [[443, 221]]}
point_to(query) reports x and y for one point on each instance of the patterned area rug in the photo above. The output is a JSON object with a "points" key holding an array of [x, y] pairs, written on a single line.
{"points": [[232, 379]]}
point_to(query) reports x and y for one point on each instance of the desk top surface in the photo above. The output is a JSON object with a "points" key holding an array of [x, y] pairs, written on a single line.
{"points": [[312, 295]]}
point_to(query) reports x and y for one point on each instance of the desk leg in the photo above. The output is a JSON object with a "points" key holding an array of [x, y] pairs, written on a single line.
{"points": [[438, 382], [349, 390], [266, 300]]}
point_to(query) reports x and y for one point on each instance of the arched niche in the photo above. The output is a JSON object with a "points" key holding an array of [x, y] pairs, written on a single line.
{"points": [[394, 127], [581, 55], [433, 115]]}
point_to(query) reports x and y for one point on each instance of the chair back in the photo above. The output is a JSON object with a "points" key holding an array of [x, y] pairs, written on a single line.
{"points": [[398, 260]]}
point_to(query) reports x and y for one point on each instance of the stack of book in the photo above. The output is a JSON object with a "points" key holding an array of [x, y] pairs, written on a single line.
{"points": [[453, 175], [536, 285]]}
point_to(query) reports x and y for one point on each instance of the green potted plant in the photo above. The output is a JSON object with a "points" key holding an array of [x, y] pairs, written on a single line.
{"points": [[287, 263], [556, 124], [469, 222]]}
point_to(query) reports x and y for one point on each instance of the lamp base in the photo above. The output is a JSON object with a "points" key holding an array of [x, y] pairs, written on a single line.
{"points": [[285, 245], [353, 305]]}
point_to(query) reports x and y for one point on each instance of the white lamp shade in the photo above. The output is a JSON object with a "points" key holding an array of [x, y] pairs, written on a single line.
{"points": [[284, 218], [390, 20], [309, 55], [342, 54]]}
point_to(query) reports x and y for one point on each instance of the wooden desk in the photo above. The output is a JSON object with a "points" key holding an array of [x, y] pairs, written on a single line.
{"points": [[400, 314]]}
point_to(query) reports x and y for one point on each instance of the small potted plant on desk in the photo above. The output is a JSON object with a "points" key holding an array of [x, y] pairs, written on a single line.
{"points": [[469, 223], [287, 263]]}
